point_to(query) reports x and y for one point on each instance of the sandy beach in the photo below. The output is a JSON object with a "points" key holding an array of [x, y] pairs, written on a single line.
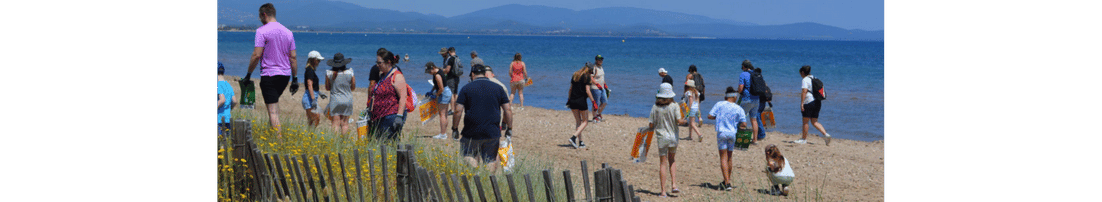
{"points": [[845, 170]]}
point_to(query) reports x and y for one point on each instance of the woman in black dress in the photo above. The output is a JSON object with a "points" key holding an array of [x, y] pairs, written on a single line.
{"points": [[578, 101]]}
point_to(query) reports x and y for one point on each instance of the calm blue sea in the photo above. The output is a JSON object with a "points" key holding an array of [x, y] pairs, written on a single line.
{"points": [[852, 72]]}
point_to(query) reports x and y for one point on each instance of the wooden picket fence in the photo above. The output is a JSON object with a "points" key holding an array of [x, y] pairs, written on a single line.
{"points": [[413, 182]]}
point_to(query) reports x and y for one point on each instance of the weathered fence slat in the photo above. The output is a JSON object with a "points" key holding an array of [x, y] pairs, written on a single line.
{"points": [[601, 187], [401, 174], [630, 192], [569, 185], [298, 177], [307, 171], [493, 184], [512, 187], [528, 182], [547, 186], [478, 186], [435, 185], [467, 187], [383, 160], [371, 172], [447, 186], [425, 180], [344, 177], [321, 179], [617, 189], [282, 176], [585, 180], [275, 175], [359, 174], [625, 192], [332, 179], [458, 189], [262, 175]]}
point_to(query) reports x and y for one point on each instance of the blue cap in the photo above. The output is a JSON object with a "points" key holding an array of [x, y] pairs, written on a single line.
{"points": [[221, 69]]}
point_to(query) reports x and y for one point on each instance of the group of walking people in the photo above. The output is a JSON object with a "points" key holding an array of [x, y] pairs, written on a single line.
{"points": [[740, 110], [484, 103]]}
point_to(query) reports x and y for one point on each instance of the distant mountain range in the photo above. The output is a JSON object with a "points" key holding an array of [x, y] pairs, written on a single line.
{"points": [[513, 19]]}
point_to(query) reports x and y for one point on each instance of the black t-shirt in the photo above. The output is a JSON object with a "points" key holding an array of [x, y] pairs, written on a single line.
{"points": [[482, 100], [579, 88], [667, 79], [374, 73], [313, 76]]}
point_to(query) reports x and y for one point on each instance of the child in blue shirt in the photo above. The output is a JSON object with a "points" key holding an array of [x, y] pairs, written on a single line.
{"points": [[729, 118]]}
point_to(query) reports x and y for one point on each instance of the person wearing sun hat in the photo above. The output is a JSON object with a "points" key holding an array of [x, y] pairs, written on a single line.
{"points": [[340, 81], [310, 98], [664, 118], [226, 101], [665, 76]]}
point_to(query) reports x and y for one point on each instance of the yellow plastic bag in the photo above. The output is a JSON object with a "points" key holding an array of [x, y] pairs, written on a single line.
{"points": [[505, 154]]}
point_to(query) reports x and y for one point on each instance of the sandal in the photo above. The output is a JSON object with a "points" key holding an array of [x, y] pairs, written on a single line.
{"points": [[675, 190]]}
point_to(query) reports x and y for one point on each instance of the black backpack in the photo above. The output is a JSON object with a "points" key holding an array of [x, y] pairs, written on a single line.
{"points": [[817, 89], [759, 88], [699, 82]]}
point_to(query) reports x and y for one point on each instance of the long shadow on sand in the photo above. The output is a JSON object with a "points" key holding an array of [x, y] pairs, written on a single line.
{"points": [[644, 191], [708, 185]]}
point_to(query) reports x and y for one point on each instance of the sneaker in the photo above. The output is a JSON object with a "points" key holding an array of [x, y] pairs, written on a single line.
{"points": [[722, 186], [800, 141], [827, 139], [440, 136], [574, 142], [450, 112], [729, 187], [581, 144]]}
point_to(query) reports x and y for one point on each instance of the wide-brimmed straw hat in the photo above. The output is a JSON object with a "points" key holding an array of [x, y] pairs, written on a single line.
{"points": [[338, 60], [690, 83], [665, 91]]}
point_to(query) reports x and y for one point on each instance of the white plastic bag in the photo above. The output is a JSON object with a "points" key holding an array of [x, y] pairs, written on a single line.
{"points": [[505, 154]]}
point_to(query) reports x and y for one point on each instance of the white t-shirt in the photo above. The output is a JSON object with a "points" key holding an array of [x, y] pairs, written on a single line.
{"points": [[786, 171], [806, 84], [598, 76]]}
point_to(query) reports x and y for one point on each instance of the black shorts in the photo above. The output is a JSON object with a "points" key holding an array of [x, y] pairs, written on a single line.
{"points": [[811, 110], [484, 148], [579, 104], [453, 83], [271, 87]]}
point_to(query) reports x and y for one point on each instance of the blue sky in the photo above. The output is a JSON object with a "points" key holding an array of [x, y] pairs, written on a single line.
{"points": [[848, 14]]}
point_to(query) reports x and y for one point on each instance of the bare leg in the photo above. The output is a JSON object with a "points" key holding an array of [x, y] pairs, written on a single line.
{"points": [[580, 122], [511, 92], [442, 114], [273, 117], [692, 127], [344, 124], [520, 92], [673, 170], [662, 174], [803, 133], [724, 166], [335, 123], [754, 124], [815, 122]]}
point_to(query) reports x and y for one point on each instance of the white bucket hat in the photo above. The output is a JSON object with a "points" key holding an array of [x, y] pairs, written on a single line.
{"points": [[662, 70], [665, 91], [315, 54]]}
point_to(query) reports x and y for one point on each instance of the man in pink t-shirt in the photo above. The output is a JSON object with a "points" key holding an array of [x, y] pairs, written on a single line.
{"points": [[275, 51]]}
